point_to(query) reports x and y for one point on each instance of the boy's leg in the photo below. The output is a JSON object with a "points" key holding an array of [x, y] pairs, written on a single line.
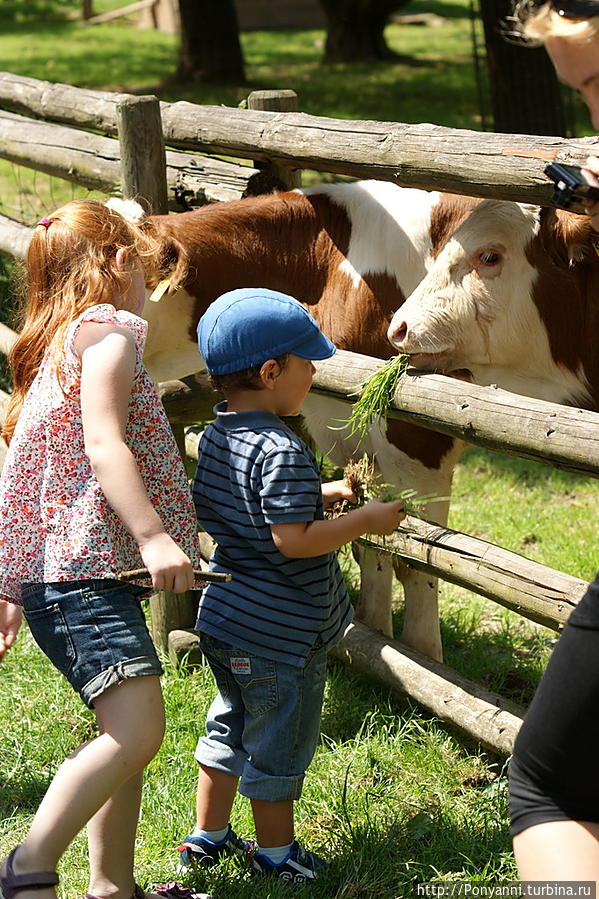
{"points": [[274, 822], [215, 797]]}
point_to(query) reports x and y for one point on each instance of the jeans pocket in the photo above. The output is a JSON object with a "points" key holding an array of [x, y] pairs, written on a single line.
{"points": [[49, 629], [259, 690]]}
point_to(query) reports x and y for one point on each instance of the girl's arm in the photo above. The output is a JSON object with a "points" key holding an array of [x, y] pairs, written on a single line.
{"points": [[10, 622], [107, 355], [305, 539]]}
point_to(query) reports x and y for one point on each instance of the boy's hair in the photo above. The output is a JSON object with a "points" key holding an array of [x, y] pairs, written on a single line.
{"points": [[246, 379], [70, 267]]}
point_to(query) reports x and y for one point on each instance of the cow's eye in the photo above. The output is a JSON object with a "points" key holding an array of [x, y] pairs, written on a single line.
{"points": [[488, 257]]}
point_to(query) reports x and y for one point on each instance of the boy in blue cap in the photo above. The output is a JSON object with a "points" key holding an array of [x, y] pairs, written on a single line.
{"points": [[265, 633]]}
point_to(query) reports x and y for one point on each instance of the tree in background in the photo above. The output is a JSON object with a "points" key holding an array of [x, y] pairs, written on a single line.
{"points": [[355, 29], [210, 47], [525, 93]]}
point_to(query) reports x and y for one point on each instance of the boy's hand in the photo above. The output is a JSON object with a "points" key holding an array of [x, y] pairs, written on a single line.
{"points": [[384, 518], [168, 566], [332, 491], [10, 622], [591, 173]]}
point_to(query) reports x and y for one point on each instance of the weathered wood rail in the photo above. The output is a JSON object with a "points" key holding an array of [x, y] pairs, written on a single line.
{"points": [[95, 161], [503, 166]]}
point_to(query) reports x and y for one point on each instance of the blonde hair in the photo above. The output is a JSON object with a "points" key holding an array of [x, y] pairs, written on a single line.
{"points": [[70, 267], [540, 24]]}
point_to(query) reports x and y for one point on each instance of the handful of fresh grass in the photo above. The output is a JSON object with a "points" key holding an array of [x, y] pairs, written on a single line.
{"points": [[376, 395], [361, 477]]}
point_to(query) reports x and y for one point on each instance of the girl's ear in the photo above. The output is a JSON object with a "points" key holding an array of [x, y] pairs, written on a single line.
{"points": [[121, 258], [269, 373]]}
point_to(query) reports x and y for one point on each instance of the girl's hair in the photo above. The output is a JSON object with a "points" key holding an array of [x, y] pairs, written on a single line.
{"points": [[70, 267], [537, 23]]}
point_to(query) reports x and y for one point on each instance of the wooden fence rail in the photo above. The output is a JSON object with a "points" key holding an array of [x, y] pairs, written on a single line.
{"points": [[95, 161], [502, 166]]}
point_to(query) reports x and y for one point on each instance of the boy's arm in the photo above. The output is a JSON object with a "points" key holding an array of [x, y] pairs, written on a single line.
{"points": [[306, 539], [10, 622]]}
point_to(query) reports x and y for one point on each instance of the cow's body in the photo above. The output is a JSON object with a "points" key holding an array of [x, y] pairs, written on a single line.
{"points": [[512, 296], [350, 253]]}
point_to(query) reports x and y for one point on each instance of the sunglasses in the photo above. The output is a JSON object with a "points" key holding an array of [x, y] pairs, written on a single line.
{"points": [[575, 9]]}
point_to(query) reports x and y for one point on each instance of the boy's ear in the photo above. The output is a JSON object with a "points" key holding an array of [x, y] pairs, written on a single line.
{"points": [[269, 372]]}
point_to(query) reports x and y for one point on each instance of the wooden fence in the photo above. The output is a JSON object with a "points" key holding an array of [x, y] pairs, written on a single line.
{"points": [[281, 141]]}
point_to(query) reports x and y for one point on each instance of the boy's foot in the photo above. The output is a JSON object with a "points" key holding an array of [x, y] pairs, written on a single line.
{"points": [[197, 851], [299, 866]]}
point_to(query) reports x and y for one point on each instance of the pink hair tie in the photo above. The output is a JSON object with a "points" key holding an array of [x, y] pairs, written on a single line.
{"points": [[45, 222]]}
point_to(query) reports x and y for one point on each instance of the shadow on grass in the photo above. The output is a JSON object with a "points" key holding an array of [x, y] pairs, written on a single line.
{"points": [[22, 793], [389, 864]]}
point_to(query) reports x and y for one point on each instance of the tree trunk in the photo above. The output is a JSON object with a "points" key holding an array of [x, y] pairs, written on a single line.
{"points": [[355, 29], [525, 92], [210, 47]]}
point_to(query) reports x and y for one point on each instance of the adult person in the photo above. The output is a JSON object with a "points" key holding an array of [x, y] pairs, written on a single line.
{"points": [[554, 785]]}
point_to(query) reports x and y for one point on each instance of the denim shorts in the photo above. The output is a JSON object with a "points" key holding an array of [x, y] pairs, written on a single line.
{"points": [[264, 725], [93, 631]]}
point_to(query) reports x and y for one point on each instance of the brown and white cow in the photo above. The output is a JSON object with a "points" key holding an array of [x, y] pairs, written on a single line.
{"points": [[350, 253], [512, 296]]}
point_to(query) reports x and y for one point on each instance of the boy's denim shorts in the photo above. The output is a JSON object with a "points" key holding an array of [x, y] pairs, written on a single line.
{"points": [[264, 725], [93, 631]]}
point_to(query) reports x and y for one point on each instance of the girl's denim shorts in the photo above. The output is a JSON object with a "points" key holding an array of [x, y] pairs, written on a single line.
{"points": [[93, 631]]}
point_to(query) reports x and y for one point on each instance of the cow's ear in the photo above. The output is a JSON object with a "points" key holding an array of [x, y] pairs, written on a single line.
{"points": [[577, 235]]}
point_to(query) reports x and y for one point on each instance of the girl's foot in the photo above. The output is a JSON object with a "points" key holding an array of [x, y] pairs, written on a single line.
{"points": [[15, 882]]}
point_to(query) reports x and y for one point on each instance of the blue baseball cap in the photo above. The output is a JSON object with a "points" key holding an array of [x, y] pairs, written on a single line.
{"points": [[245, 327]]}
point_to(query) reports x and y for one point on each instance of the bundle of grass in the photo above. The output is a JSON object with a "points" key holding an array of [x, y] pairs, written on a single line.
{"points": [[376, 395], [364, 481]]}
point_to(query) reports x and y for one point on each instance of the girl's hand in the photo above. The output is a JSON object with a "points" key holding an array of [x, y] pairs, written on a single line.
{"points": [[336, 490], [383, 518], [591, 173], [167, 564], [10, 622]]}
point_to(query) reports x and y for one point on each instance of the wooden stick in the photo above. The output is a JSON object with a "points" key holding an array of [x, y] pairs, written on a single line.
{"points": [[212, 576]]}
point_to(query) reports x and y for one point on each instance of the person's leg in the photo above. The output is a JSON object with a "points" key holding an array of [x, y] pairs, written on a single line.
{"points": [[558, 850], [282, 727], [554, 789], [274, 822], [132, 720], [215, 797]]}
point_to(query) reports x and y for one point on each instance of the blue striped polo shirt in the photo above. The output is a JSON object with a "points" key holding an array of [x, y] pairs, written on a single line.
{"points": [[253, 471]]}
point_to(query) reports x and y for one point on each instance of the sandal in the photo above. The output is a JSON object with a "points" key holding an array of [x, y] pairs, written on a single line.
{"points": [[11, 883], [170, 890]]}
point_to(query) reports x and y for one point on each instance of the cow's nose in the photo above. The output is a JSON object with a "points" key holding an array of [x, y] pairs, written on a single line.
{"points": [[397, 334]]}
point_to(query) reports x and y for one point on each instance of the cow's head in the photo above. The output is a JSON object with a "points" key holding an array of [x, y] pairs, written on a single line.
{"points": [[480, 306]]}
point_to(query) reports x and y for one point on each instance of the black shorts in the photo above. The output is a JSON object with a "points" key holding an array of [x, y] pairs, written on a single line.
{"points": [[554, 772]]}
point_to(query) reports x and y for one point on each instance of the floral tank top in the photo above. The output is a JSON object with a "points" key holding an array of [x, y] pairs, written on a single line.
{"points": [[55, 522]]}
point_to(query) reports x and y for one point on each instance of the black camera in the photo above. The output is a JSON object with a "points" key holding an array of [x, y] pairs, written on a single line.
{"points": [[570, 186]]}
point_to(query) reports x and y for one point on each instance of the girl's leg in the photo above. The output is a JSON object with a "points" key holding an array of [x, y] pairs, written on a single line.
{"points": [[131, 718], [558, 850]]}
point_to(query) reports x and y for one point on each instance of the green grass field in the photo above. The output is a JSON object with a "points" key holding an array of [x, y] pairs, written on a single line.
{"points": [[394, 797]]}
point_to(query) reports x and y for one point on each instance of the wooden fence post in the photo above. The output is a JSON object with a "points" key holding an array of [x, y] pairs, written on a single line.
{"points": [[276, 101], [143, 158]]}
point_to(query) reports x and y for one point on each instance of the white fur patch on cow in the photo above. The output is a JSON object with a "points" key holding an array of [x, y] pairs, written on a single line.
{"points": [[129, 209], [170, 351], [390, 229]]}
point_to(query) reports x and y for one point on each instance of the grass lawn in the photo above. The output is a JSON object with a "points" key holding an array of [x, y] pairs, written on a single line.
{"points": [[393, 796]]}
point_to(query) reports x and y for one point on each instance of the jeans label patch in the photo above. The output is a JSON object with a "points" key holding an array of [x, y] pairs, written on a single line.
{"points": [[241, 666]]}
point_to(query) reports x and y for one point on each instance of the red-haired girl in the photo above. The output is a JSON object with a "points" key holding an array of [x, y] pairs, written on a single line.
{"points": [[92, 485]]}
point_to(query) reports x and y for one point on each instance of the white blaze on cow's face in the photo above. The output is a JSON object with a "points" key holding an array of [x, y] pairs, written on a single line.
{"points": [[474, 309]]}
